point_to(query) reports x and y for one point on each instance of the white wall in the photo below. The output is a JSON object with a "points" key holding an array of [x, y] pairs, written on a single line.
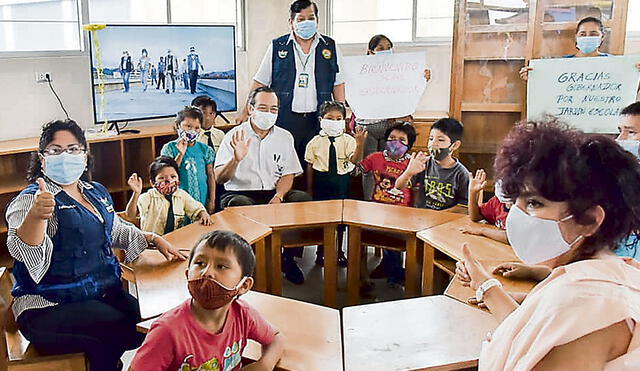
{"points": [[25, 105]]}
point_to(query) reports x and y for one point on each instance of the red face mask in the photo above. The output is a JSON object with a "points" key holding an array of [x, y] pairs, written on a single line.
{"points": [[167, 187], [211, 294]]}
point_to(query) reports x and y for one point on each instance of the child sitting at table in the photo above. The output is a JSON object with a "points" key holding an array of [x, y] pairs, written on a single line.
{"points": [[330, 157], [164, 206], [494, 211], [442, 182], [209, 134], [210, 330], [195, 159], [386, 166]]}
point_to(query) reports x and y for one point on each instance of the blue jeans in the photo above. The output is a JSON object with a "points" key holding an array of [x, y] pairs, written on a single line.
{"points": [[145, 82], [125, 79], [392, 261]]}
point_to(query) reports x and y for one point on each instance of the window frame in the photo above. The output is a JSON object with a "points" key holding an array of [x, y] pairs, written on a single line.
{"points": [[83, 19], [415, 41]]}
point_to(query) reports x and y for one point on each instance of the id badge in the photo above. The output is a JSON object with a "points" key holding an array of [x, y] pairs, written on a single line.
{"points": [[303, 80]]}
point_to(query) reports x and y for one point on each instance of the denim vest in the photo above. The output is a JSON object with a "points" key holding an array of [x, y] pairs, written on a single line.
{"points": [[283, 71], [82, 264]]}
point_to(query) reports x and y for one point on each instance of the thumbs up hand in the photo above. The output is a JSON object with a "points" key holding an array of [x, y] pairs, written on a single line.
{"points": [[44, 204]]}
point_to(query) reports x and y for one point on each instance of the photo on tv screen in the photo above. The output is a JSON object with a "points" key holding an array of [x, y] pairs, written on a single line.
{"points": [[153, 71]]}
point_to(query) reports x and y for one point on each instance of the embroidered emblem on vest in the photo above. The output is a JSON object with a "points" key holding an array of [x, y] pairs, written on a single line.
{"points": [[283, 53], [326, 53]]}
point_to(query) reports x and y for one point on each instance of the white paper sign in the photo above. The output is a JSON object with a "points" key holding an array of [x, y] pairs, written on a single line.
{"points": [[384, 86], [588, 93]]}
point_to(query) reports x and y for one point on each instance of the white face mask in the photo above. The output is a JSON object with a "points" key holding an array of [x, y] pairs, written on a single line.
{"points": [[384, 52], [632, 146], [536, 240], [332, 128], [264, 120]]}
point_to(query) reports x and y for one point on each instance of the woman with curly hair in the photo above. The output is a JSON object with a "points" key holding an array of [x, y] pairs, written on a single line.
{"points": [[575, 199]]}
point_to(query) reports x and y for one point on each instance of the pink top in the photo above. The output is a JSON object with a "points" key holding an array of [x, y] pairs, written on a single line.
{"points": [[575, 300], [176, 341]]}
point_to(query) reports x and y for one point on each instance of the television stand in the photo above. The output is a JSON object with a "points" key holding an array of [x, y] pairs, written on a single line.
{"points": [[123, 131]]}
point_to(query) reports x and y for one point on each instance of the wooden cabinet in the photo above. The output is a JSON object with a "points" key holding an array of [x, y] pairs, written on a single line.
{"points": [[493, 40]]}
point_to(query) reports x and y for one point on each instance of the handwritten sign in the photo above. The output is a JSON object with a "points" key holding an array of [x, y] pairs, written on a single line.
{"points": [[384, 86], [588, 93]]}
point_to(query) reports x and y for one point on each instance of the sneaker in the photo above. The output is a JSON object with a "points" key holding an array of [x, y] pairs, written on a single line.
{"points": [[292, 272], [379, 271], [342, 260]]}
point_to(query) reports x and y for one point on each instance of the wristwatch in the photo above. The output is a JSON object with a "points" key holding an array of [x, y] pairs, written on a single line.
{"points": [[485, 286]]}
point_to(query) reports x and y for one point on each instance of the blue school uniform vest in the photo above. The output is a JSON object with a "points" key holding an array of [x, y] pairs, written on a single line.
{"points": [[283, 71], [82, 264]]}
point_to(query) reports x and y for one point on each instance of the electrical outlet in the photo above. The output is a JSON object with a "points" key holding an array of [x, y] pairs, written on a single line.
{"points": [[42, 76]]}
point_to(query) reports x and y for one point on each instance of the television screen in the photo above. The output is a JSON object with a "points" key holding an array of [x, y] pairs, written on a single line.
{"points": [[152, 71]]}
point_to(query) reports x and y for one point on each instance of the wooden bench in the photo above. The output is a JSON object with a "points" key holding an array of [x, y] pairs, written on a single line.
{"points": [[19, 354]]}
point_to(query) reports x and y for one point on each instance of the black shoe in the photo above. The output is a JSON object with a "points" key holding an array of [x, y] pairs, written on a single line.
{"points": [[292, 272], [320, 260], [379, 272], [342, 260]]}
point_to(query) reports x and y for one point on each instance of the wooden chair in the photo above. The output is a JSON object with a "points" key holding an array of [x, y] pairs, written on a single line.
{"points": [[123, 216], [19, 355]]}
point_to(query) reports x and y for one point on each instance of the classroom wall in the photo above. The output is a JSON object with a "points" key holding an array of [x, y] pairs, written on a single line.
{"points": [[25, 105]]}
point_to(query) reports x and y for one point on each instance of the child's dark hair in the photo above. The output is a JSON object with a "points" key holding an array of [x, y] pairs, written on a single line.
{"points": [[590, 20], [49, 130], [631, 110], [202, 101], [299, 5], [189, 112], [406, 128], [377, 39], [585, 170], [159, 163], [332, 105], [223, 240], [450, 127]]}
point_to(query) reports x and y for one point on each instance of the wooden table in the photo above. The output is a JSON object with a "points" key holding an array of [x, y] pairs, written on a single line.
{"points": [[457, 291], [405, 221], [313, 339], [162, 285], [426, 333], [448, 239], [294, 217]]}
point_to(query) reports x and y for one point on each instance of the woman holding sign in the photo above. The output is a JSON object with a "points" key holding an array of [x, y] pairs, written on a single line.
{"points": [[376, 129], [68, 294], [589, 37]]}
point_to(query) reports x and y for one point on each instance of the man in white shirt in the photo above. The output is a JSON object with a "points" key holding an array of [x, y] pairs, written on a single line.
{"points": [[303, 67], [257, 162]]}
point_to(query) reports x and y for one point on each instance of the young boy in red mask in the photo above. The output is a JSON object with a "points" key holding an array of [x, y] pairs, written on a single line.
{"points": [[164, 207], [210, 330]]}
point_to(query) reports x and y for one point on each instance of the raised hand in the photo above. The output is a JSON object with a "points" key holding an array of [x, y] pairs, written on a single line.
{"points": [[360, 134], [417, 163], [182, 145], [478, 182], [44, 204], [239, 145], [135, 183]]}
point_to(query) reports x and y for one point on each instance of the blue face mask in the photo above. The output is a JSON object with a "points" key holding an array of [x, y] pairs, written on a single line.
{"points": [[632, 146], [588, 44], [65, 168], [306, 29], [384, 52], [189, 135]]}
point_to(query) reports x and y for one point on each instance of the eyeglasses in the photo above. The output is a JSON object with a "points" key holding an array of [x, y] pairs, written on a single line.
{"points": [[74, 149]]}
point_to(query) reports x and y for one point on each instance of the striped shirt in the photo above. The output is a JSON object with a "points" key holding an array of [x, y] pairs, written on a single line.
{"points": [[37, 259]]}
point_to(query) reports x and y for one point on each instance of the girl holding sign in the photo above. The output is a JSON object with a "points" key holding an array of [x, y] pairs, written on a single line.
{"points": [[376, 129], [589, 37]]}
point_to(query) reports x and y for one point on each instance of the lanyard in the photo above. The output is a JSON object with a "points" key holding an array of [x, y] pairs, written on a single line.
{"points": [[306, 61]]}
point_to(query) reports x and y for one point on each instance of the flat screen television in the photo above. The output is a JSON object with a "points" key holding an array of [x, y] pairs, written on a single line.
{"points": [[182, 62]]}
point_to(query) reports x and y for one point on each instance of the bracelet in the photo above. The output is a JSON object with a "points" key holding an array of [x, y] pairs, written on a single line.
{"points": [[279, 197], [153, 237], [485, 286]]}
